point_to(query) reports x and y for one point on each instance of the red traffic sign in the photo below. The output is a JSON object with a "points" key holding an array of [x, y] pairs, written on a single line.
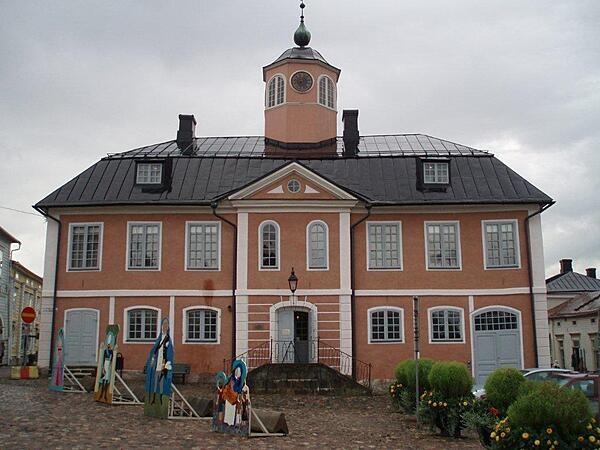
{"points": [[28, 314]]}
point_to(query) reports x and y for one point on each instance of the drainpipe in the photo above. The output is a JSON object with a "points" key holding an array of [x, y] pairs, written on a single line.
{"points": [[214, 206], [9, 295], [45, 214], [530, 274], [368, 206]]}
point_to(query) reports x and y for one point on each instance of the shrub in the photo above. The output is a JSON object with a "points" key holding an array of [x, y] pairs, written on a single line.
{"points": [[450, 379], [404, 389], [502, 387], [547, 416]]}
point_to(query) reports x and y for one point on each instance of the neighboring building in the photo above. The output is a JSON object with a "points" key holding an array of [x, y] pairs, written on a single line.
{"points": [[573, 313], [206, 232], [26, 290], [6, 240]]}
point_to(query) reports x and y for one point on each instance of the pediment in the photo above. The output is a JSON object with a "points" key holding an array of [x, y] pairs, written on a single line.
{"points": [[292, 182]]}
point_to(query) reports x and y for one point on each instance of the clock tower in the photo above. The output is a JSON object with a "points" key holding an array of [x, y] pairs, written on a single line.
{"points": [[300, 101]]}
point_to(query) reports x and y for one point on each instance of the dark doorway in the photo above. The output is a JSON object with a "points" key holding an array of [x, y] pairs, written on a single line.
{"points": [[301, 336]]}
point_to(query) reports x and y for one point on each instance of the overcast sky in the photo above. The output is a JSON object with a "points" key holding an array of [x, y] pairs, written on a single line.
{"points": [[80, 79]]}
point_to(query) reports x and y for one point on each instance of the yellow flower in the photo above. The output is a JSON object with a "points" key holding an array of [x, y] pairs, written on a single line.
{"points": [[503, 434], [592, 439], [445, 404], [497, 438], [493, 434], [434, 404], [429, 402], [508, 429], [548, 442], [589, 426], [525, 435], [549, 430], [537, 442], [593, 420], [465, 403], [555, 442], [580, 438]]}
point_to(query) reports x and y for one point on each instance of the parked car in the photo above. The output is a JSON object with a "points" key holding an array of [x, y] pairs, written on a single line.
{"points": [[588, 384], [532, 374]]}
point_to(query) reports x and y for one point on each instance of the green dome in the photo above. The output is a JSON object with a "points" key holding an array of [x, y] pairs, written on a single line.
{"points": [[302, 35]]}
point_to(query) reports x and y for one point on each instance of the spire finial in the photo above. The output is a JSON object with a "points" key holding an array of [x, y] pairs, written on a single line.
{"points": [[302, 35]]}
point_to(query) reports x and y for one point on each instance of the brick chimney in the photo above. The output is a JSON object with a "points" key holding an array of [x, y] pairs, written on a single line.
{"points": [[351, 136], [591, 272], [566, 265], [186, 133]]}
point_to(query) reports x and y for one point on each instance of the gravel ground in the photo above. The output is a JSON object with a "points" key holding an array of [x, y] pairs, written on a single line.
{"points": [[32, 417]]}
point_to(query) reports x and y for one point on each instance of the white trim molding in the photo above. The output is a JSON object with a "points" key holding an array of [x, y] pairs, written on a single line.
{"points": [[143, 293]]}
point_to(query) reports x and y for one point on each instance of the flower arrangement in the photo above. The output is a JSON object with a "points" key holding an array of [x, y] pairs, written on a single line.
{"points": [[447, 414], [482, 418], [395, 390], [508, 437]]}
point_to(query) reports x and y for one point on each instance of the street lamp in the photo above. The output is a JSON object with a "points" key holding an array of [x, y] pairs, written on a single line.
{"points": [[293, 282]]}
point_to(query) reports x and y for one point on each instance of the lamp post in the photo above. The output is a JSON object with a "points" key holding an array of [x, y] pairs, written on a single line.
{"points": [[293, 282]]}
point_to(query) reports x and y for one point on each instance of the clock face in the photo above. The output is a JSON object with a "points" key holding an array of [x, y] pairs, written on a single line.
{"points": [[302, 81]]}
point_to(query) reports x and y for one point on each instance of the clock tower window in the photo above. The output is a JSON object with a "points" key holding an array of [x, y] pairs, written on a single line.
{"points": [[275, 91], [326, 92]]}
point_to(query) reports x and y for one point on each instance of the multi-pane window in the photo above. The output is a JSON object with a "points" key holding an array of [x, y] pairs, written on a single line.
{"points": [[144, 246], [149, 173], [501, 246], [442, 245], [201, 325], [275, 91], [84, 252], [446, 325], [269, 246], [203, 245], [386, 325], [435, 172], [496, 320], [142, 324], [384, 244], [317, 246], [326, 92]]}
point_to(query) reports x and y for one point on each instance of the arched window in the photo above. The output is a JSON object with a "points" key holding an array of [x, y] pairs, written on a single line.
{"points": [[446, 324], [142, 323], [326, 92], [386, 324], [275, 91], [269, 245], [317, 245], [201, 325]]}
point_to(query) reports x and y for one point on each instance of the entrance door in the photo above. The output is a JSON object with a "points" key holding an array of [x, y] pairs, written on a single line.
{"points": [[301, 336], [81, 337], [496, 342], [292, 336]]}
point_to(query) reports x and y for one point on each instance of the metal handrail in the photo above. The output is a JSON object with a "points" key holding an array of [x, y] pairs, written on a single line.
{"points": [[274, 351]]}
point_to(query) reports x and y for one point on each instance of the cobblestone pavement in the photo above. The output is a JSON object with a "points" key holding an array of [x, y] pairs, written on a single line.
{"points": [[32, 417]]}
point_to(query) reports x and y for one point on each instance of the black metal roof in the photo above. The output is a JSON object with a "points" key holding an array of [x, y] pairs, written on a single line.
{"points": [[572, 282], [383, 173]]}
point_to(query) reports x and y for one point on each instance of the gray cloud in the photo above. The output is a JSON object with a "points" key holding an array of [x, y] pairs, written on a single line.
{"points": [[521, 79]]}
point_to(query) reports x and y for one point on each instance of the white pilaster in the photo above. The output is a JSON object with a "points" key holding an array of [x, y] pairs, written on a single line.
{"points": [[47, 311], [111, 311], [241, 301], [241, 319], [540, 301], [345, 256], [172, 314]]}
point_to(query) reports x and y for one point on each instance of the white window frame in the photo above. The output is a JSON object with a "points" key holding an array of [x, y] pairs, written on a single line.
{"points": [[333, 92], [309, 249], [400, 245], [98, 267], [271, 80], [278, 243], [456, 223], [461, 312], [386, 308], [515, 224], [437, 176], [126, 339], [151, 166], [159, 259], [188, 225], [184, 334]]}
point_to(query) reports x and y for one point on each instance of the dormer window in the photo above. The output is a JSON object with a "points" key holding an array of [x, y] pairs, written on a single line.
{"points": [[435, 172], [275, 91], [326, 92], [149, 173]]}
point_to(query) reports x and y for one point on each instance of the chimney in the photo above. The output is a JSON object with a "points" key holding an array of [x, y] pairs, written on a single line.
{"points": [[186, 133], [566, 265], [351, 136], [591, 272]]}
